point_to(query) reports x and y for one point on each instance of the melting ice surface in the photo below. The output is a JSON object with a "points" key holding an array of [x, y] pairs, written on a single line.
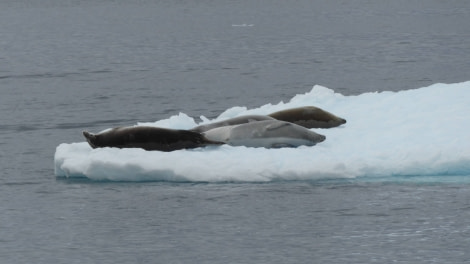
{"points": [[422, 132]]}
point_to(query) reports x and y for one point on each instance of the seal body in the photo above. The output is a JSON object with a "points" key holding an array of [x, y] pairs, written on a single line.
{"points": [[232, 121], [148, 138], [267, 134], [309, 117]]}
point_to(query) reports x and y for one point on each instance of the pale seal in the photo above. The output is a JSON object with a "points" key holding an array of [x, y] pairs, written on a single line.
{"points": [[309, 117], [232, 121], [267, 134], [148, 138]]}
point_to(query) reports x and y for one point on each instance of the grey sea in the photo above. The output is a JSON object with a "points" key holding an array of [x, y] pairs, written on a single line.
{"points": [[68, 66]]}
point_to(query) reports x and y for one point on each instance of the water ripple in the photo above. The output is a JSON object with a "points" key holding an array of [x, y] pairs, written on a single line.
{"points": [[53, 75], [67, 125]]}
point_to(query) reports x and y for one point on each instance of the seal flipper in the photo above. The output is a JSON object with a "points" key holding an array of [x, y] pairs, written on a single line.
{"points": [[278, 125], [90, 138]]}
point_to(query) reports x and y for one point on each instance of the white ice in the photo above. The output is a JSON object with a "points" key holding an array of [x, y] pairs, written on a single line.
{"points": [[421, 132]]}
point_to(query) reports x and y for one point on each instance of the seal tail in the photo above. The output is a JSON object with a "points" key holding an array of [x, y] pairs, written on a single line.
{"points": [[90, 138], [208, 142]]}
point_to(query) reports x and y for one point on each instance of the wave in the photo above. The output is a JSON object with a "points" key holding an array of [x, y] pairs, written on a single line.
{"points": [[422, 132]]}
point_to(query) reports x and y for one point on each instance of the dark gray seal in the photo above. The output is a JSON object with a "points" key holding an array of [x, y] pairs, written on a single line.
{"points": [[148, 138], [309, 117]]}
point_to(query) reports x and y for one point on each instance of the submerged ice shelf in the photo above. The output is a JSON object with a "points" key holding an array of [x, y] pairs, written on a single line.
{"points": [[421, 132]]}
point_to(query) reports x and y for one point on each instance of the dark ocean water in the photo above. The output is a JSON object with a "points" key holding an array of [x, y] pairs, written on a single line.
{"points": [[67, 66]]}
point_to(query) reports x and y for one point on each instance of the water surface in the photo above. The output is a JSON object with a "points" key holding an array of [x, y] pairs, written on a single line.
{"points": [[66, 66]]}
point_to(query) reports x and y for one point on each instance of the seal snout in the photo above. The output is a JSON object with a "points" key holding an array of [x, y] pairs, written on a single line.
{"points": [[90, 138]]}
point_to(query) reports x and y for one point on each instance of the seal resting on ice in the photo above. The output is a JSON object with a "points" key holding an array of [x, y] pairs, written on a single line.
{"points": [[309, 117], [148, 138], [267, 134]]}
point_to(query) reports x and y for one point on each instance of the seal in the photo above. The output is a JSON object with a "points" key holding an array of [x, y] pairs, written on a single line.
{"points": [[148, 138], [309, 117], [267, 134], [232, 121]]}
